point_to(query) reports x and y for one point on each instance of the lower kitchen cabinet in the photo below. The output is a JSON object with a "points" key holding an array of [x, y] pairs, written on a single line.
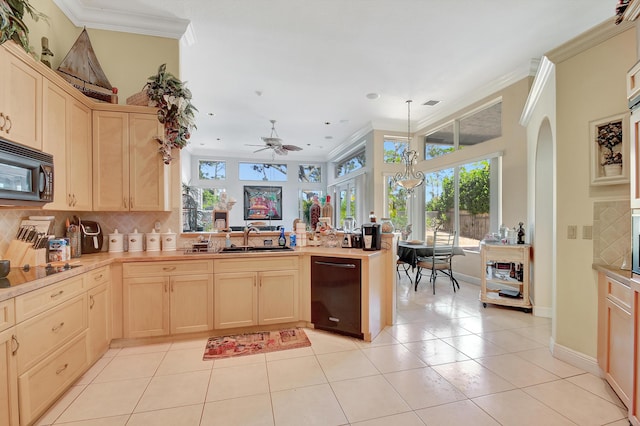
{"points": [[166, 299], [8, 379], [634, 406], [267, 293], [99, 320]]}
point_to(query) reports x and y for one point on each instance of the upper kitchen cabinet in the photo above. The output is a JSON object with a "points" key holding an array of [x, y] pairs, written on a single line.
{"points": [[20, 98], [67, 136], [128, 172]]}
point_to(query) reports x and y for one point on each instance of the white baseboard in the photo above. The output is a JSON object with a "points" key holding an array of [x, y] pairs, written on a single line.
{"points": [[542, 311], [575, 358]]}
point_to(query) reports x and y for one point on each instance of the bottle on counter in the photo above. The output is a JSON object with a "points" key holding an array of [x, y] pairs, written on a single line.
{"points": [[227, 241], [282, 241], [372, 217], [315, 211], [327, 209]]}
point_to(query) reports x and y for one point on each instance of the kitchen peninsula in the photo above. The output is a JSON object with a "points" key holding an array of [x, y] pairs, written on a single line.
{"points": [[54, 327]]}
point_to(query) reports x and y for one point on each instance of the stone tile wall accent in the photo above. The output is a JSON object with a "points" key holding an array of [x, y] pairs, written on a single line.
{"points": [[611, 232]]}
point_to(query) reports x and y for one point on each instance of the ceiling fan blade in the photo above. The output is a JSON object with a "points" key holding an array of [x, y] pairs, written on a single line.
{"points": [[248, 144], [291, 148], [280, 150], [261, 149]]}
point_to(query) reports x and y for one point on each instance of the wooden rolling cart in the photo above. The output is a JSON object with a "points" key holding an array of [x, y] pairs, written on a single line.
{"points": [[505, 280]]}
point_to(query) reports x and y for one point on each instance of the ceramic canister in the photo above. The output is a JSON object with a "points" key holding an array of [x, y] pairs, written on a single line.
{"points": [[135, 241], [168, 241], [153, 241], [116, 242]]}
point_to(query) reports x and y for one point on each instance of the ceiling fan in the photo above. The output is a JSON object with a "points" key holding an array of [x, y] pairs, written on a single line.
{"points": [[275, 143]]}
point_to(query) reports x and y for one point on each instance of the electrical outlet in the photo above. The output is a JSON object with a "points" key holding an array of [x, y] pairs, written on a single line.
{"points": [[572, 232], [587, 232]]}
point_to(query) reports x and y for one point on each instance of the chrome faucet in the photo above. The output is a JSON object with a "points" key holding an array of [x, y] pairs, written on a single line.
{"points": [[247, 231]]}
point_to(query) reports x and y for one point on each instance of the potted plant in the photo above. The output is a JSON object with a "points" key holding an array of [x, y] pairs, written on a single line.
{"points": [[12, 26], [609, 137], [175, 110]]}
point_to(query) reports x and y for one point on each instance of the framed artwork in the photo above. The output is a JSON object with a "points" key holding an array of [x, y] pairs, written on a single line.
{"points": [[609, 140], [262, 202]]}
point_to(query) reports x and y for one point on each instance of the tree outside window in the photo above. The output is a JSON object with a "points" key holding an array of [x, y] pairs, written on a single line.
{"points": [[212, 170]]}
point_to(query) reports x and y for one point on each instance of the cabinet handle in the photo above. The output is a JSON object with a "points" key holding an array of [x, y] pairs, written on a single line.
{"points": [[97, 277], [124, 201], [56, 328], [54, 295], [61, 369], [75, 201], [4, 121], [8, 120], [14, 339], [69, 200], [91, 302], [169, 268]]}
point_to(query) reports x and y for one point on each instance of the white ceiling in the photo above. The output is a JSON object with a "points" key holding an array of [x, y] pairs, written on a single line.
{"points": [[305, 63]]}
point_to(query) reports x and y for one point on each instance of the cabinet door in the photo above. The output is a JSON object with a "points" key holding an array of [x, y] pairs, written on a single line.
{"points": [[8, 379], [110, 161], [191, 303], [634, 406], [235, 299], [146, 306], [278, 297], [54, 141], [79, 165], [99, 318], [635, 159], [21, 102], [619, 350], [149, 184]]}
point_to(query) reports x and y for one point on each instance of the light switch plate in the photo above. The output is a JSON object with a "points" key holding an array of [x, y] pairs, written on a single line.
{"points": [[572, 232], [587, 232]]}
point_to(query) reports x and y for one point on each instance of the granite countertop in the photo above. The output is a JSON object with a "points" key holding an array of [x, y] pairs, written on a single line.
{"points": [[19, 281]]}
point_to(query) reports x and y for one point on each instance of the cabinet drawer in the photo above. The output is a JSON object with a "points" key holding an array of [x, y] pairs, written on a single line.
{"points": [[43, 384], [41, 335], [257, 264], [32, 303], [7, 314], [98, 276], [507, 253], [154, 269], [619, 293]]}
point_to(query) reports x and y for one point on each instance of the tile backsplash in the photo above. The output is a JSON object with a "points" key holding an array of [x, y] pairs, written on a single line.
{"points": [[611, 233], [125, 222]]}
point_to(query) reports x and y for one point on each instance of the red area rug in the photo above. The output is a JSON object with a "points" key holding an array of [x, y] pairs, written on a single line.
{"points": [[255, 343]]}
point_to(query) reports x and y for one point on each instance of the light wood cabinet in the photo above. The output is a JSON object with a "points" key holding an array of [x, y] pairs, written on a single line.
{"points": [[8, 379], [128, 172], [263, 294], [634, 140], [498, 261], [167, 298], [20, 98], [99, 318], [634, 403], [67, 136]]}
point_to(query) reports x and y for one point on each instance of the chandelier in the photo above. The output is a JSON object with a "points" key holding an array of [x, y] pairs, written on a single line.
{"points": [[410, 178]]}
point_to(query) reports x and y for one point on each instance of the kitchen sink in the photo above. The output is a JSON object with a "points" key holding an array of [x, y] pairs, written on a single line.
{"points": [[255, 249]]}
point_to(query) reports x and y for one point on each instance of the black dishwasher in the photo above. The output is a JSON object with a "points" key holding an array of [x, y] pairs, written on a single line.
{"points": [[336, 295]]}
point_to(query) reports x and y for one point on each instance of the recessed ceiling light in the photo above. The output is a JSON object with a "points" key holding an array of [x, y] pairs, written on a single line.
{"points": [[373, 96], [327, 123], [211, 114], [431, 103]]}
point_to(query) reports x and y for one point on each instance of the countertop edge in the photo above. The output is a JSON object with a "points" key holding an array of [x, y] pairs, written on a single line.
{"points": [[622, 275]]}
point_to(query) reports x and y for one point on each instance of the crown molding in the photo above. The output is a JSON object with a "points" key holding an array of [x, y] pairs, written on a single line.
{"points": [[545, 71], [351, 142], [587, 40], [632, 11], [130, 22]]}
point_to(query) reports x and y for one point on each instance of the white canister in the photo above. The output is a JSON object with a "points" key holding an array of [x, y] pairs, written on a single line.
{"points": [[116, 242], [134, 240], [153, 241], [168, 241]]}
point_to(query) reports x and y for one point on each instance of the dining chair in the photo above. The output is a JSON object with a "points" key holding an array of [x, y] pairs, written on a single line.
{"points": [[438, 260], [405, 267]]}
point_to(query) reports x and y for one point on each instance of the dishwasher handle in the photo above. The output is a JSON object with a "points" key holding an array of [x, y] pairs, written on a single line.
{"points": [[336, 265]]}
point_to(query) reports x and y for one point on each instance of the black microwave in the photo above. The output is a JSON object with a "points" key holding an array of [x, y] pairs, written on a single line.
{"points": [[26, 175]]}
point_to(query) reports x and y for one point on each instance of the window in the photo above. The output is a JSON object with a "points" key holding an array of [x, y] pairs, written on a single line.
{"points": [[478, 127], [306, 199], [308, 173], [346, 193], [263, 172], [197, 208], [396, 203], [461, 198], [351, 164], [394, 149], [212, 170]]}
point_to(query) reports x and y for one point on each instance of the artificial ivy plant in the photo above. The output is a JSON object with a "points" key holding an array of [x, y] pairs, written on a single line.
{"points": [[12, 26], [175, 110]]}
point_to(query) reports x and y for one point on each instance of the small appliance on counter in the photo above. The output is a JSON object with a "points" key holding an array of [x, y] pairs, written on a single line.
{"points": [[371, 236], [91, 237]]}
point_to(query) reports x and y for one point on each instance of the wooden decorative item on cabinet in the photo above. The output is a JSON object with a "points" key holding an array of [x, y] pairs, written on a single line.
{"points": [[491, 285]]}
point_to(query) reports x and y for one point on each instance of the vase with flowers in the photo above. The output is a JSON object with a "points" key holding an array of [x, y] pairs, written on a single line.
{"points": [[609, 138]]}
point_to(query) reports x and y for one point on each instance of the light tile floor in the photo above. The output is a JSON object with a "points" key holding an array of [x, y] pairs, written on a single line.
{"points": [[447, 361]]}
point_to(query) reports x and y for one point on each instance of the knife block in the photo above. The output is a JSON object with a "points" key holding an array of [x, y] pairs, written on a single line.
{"points": [[35, 257], [16, 251]]}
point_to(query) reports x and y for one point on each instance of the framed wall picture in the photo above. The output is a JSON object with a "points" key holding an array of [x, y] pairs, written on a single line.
{"points": [[262, 203], [609, 140]]}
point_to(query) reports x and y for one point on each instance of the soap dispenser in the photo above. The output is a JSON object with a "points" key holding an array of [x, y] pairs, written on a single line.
{"points": [[282, 241], [227, 242]]}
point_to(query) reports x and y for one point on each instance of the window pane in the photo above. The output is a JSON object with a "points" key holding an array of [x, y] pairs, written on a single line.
{"points": [[197, 208], [351, 164], [347, 202], [306, 199], [439, 142], [263, 172], [212, 170], [396, 203], [482, 126], [439, 200], [309, 173], [475, 202], [393, 150]]}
